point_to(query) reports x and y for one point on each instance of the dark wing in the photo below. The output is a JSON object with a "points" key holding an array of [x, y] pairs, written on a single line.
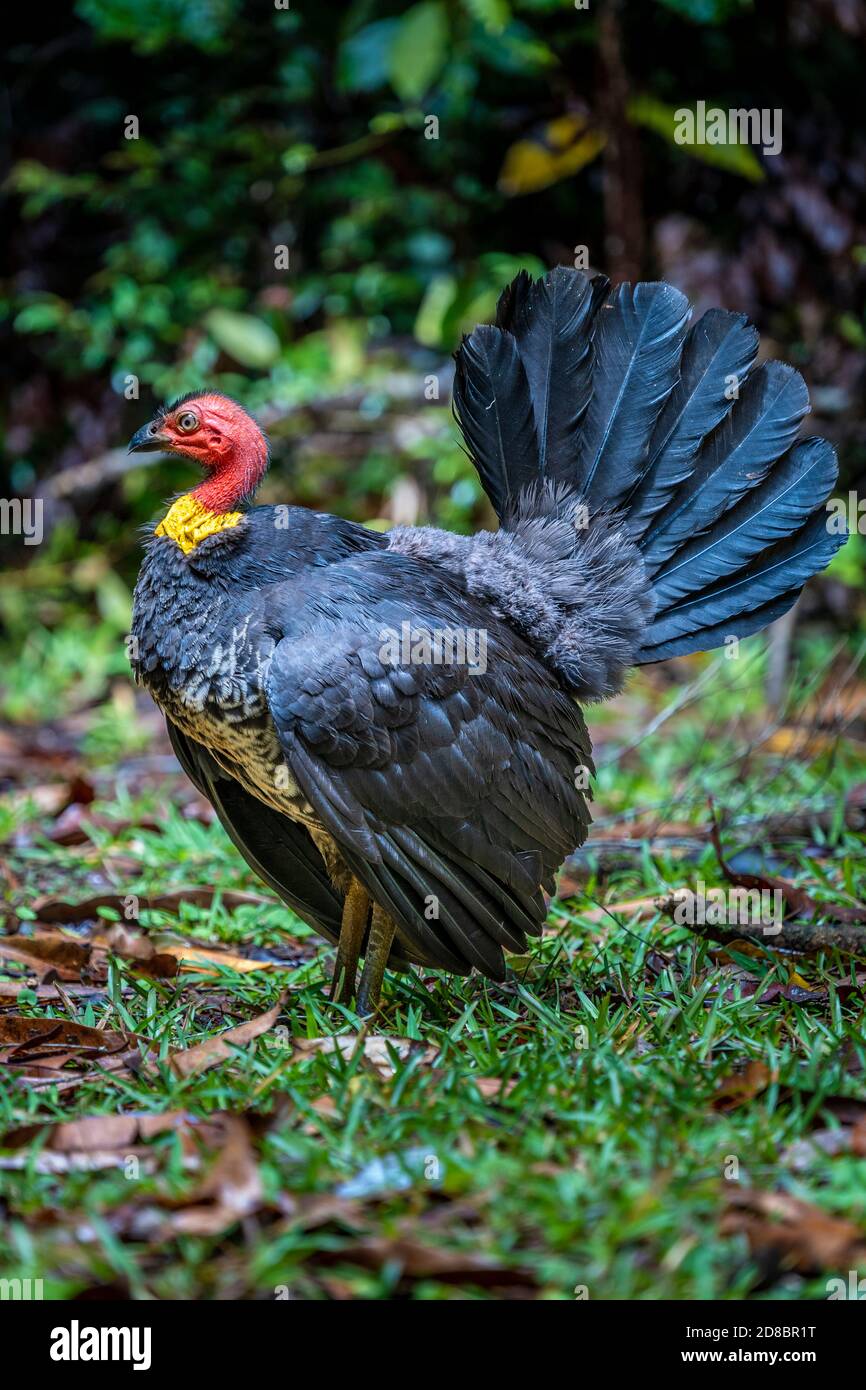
{"points": [[279, 850], [451, 792]]}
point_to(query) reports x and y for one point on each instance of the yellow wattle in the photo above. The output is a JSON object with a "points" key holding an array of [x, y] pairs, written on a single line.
{"points": [[188, 522]]}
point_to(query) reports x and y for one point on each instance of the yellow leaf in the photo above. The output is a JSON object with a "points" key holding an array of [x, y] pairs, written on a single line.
{"points": [[560, 149]]}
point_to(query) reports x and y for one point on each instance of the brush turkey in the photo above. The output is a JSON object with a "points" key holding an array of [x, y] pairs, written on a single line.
{"points": [[408, 802]]}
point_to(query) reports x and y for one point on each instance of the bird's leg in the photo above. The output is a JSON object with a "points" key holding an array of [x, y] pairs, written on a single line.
{"points": [[356, 905], [375, 959]]}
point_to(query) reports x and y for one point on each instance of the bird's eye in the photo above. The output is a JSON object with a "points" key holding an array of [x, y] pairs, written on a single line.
{"points": [[187, 422]]}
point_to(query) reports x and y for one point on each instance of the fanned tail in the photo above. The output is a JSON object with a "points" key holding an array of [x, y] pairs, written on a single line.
{"points": [[666, 435]]}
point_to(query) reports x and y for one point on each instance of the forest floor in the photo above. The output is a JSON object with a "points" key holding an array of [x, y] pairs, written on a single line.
{"points": [[639, 1111]]}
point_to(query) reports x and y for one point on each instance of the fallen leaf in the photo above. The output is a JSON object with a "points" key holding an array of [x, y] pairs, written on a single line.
{"points": [[49, 909], [739, 1087], [23, 1038], [797, 899], [44, 954], [43, 993], [419, 1261], [377, 1049], [38, 1051], [786, 1233], [53, 798], [96, 1132], [231, 1190], [315, 1209], [494, 1087], [194, 958], [191, 1061]]}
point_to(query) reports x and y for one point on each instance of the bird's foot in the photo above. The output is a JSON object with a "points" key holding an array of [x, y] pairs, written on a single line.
{"points": [[356, 908], [378, 950]]}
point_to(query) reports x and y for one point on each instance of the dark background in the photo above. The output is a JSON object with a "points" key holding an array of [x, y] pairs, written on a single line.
{"points": [[153, 257]]}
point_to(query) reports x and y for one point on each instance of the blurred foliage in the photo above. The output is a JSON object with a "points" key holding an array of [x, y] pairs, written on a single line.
{"points": [[293, 204]]}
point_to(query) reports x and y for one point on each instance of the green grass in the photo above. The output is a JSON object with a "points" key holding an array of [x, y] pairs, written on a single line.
{"points": [[600, 1162]]}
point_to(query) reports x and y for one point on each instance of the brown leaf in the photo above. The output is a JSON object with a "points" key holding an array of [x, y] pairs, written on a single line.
{"points": [[418, 1261], [494, 1087], [742, 1086], [55, 797], [95, 1132], [38, 1051], [231, 1190], [67, 959], [22, 1037], [786, 1233], [11, 989], [312, 1210], [796, 899], [50, 909], [195, 958], [191, 1061], [51, 954]]}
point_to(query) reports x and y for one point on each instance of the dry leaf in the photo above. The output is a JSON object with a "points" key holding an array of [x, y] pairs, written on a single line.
{"points": [[418, 1261], [194, 958], [212, 1051], [96, 1132], [796, 899], [24, 1039], [784, 1232], [39, 1051], [48, 954], [493, 1087], [231, 1190], [377, 1049], [49, 909], [742, 1086]]}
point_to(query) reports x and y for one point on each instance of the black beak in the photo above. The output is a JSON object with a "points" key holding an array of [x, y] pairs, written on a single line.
{"points": [[148, 440]]}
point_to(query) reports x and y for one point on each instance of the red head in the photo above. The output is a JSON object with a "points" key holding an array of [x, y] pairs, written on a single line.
{"points": [[218, 434]]}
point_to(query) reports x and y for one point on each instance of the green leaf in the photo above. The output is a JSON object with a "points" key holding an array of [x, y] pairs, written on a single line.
{"points": [[658, 116], [516, 50], [362, 63], [418, 50], [493, 14], [42, 317], [430, 320], [248, 340]]}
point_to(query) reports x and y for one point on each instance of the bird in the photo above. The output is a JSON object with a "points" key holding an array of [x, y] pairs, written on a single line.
{"points": [[390, 725]]}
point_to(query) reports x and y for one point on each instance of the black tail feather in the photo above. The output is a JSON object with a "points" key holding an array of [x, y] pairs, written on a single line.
{"points": [[779, 507], [735, 458], [552, 322], [494, 408], [779, 570], [638, 343], [672, 437], [717, 356]]}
